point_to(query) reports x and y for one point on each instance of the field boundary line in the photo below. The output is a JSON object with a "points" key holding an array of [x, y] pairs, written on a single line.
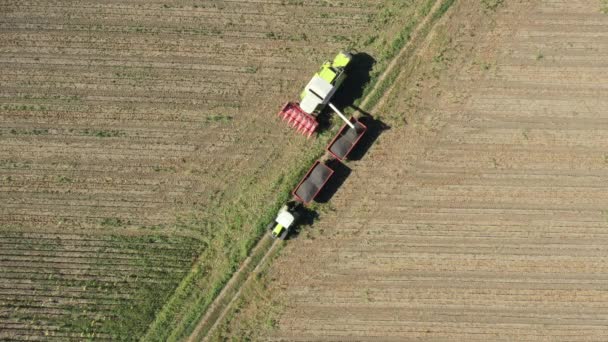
{"points": [[213, 316], [384, 85]]}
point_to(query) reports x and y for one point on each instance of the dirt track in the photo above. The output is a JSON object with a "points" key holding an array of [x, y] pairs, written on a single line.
{"points": [[485, 218]]}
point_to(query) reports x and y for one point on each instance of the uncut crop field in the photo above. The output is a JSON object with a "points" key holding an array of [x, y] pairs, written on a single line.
{"points": [[485, 217], [127, 128]]}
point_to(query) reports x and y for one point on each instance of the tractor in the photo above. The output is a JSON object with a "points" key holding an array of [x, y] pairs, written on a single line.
{"points": [[286, 219], [317, 95]]}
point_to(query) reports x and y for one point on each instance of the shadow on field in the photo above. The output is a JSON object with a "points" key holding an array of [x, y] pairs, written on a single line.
{"points": [[306, 218], [341, 172], [375, 127], [358, 76]]}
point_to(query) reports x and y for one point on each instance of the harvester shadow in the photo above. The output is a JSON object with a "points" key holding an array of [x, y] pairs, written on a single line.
{"points": [[305, 219], [374, 129], [341, 173], [359, 75]]}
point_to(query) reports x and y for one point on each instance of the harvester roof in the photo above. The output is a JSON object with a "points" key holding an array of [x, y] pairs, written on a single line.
{"points": [[316, 91], [285, 219]]}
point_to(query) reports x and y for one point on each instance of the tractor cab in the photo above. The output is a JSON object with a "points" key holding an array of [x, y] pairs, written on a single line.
{"points": [[287, 216]]}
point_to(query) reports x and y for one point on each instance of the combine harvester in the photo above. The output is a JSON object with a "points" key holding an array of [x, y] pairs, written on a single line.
{"points": [[316, 95], [302, 116]]}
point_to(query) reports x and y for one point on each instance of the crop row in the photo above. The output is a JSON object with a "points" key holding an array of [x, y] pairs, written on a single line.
{"points": [[74, 274]]}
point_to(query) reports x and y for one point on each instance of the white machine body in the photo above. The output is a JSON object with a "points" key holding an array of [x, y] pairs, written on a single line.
{"points": [[318, 93], [285, 218]]}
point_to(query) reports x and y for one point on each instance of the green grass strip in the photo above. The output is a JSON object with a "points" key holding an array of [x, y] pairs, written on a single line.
{"points": [[182, 312], [390, 78]]}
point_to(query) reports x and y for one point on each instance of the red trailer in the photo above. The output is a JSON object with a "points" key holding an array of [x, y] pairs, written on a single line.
{"points": [[346, 139], [312, 183]]}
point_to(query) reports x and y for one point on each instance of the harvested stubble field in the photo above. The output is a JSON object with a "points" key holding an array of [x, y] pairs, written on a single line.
{"points": [[140, 149], [484, 216]]}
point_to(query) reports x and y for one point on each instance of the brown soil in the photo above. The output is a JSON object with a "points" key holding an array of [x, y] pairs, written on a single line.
{"points": [[146, 124], [484, 216]]}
